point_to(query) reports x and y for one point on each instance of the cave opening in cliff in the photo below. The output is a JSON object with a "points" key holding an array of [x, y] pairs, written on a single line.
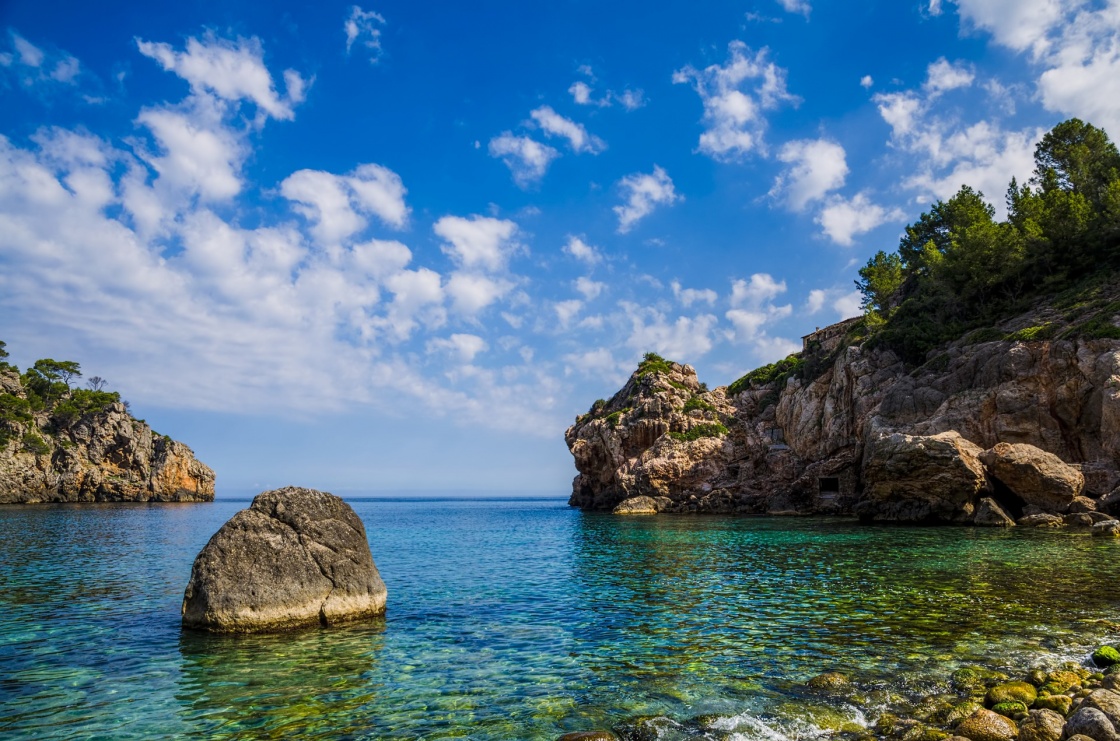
{"points": [[829, 485]]}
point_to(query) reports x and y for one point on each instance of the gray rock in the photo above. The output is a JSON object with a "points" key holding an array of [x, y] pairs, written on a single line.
{"points": [[636, 506], [1092, 723], [1100, 517], [1107, 528], [1106, 701], [990, 514], [1081, 519], [1041, 521], [984, 725], [296, 557], [1041, 725]]}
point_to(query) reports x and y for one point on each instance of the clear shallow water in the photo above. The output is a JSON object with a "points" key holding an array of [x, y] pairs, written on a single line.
{"points": [[526, 619]]}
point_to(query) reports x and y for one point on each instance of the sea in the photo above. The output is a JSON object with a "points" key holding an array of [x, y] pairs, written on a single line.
{"points": [[522, 618]]}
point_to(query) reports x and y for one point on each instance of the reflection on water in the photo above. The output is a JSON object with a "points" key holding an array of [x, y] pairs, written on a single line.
{"points": [[525, 619]]}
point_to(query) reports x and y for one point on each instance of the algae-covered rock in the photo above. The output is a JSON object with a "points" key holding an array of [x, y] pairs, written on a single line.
{"points": [[588, 736], [831, 681], [959, 712], [1090, 722], [1106, 656], [1058, 703], [1061, 681], [1042, 725], [636, 506], [1022, 692], [985, 725], [1108, 528], [1009, 709], [975, 677]]}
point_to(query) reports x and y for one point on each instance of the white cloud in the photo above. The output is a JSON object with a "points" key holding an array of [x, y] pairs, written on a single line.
{"points": [[631, 100], [816, 167], [684, 337], [848, 304], [364, 25], [29, 54], [866, 81], [733, 115], [554, 124], [232, 71], [598, 363], [526, 158], [480, 242], [760, 289], [35, 66], [642, 194], [796, 6], [815, 301], [582, 251], [942, 76], [464, 346], [473, 292], [690, 296], [589, 288], [581, 94], [935, 7], [845, 303], [1019, 24], [566, 311], [842, 219], [336, 205]]}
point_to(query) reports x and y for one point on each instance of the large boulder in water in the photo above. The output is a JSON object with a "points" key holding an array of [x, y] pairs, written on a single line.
{"points": [[296, 557], [915, 478], [1035, 476]]}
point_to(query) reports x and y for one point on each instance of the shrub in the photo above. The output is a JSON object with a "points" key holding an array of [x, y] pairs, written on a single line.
{"points": [[775, 372], [1041, 332], [714, 429], [32, 443], [696, 403], [653, 363]]}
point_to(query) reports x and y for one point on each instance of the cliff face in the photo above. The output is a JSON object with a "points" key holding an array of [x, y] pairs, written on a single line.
{"points": [[102, 456], [823, 444]]}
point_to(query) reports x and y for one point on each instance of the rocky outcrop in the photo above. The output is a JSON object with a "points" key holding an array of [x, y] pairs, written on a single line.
{"points": [[804, 440], [105, 455], [295, 557], [636, 506], [934, 478], [1035, 476]]}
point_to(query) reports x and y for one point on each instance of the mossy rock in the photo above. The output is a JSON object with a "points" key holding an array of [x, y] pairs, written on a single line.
{"points": [[985, 725], [924, 733], [830, 681], [1060, 704], [1023, 692], [1009, 709], [1037, 677], [975, 677], [588, 736], [960, 711], [1060, 681], [1106, 656]]}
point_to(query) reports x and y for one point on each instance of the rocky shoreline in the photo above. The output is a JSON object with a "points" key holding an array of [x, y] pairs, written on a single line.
{"points": [[1068, 702], [989, 433]]}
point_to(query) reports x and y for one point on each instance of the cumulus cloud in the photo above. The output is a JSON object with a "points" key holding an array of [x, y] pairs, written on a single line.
{"points": [[465, 347], [801, 7], [690, 296], [364, 26], [590, 289], [584, 94], [760, 289], [231, 70], [843, 219], [642, 194], [582, 251], [682, 337], [753, 309], [844, 303], [527, 159], [942, 76], [735, 96], [866, 81], [816, 167], [553, 124], [37, 68], [478, 242], [336, 205], [472, 292]]}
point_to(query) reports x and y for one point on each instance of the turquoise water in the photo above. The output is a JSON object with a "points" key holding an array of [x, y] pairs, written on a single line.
{"points": [[525, 619]]}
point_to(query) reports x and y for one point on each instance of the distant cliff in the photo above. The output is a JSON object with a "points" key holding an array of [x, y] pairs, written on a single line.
{"points": [[84, 446], [845, 428]]}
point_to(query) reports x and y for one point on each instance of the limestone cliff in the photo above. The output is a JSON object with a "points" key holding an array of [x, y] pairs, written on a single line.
{"points": [[834, 433], [99, 456]]}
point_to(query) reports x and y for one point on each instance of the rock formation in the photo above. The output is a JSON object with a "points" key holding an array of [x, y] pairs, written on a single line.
{"points": [[847, 428], [104, 455], [295, 557]]}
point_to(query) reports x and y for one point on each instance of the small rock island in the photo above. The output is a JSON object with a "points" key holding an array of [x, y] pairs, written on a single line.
{"points": [[296, 557], [59, 443]]}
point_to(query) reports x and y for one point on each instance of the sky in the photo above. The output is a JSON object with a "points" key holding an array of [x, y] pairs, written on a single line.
{"points": [[399, 246]]}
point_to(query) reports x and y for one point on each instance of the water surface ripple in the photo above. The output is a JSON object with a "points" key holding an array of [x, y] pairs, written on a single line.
{"points": [[524, 619]]}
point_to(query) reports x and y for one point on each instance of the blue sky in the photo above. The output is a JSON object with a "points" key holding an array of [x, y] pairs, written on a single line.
{"points": [[399, 246]]}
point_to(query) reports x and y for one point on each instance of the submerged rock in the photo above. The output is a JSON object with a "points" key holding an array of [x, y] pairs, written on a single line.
{"points": [[588, 736], [831, 681], [295, 557], [1022, 692], [1041, 520], [1107, 527]]}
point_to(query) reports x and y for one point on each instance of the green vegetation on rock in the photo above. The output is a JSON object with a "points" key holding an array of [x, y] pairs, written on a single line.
{"points": [[776, 372], [1009, 709], [697, 404], [1022, 692], [957, 269], [653, 363], [1106, 656], [696, 432]]}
